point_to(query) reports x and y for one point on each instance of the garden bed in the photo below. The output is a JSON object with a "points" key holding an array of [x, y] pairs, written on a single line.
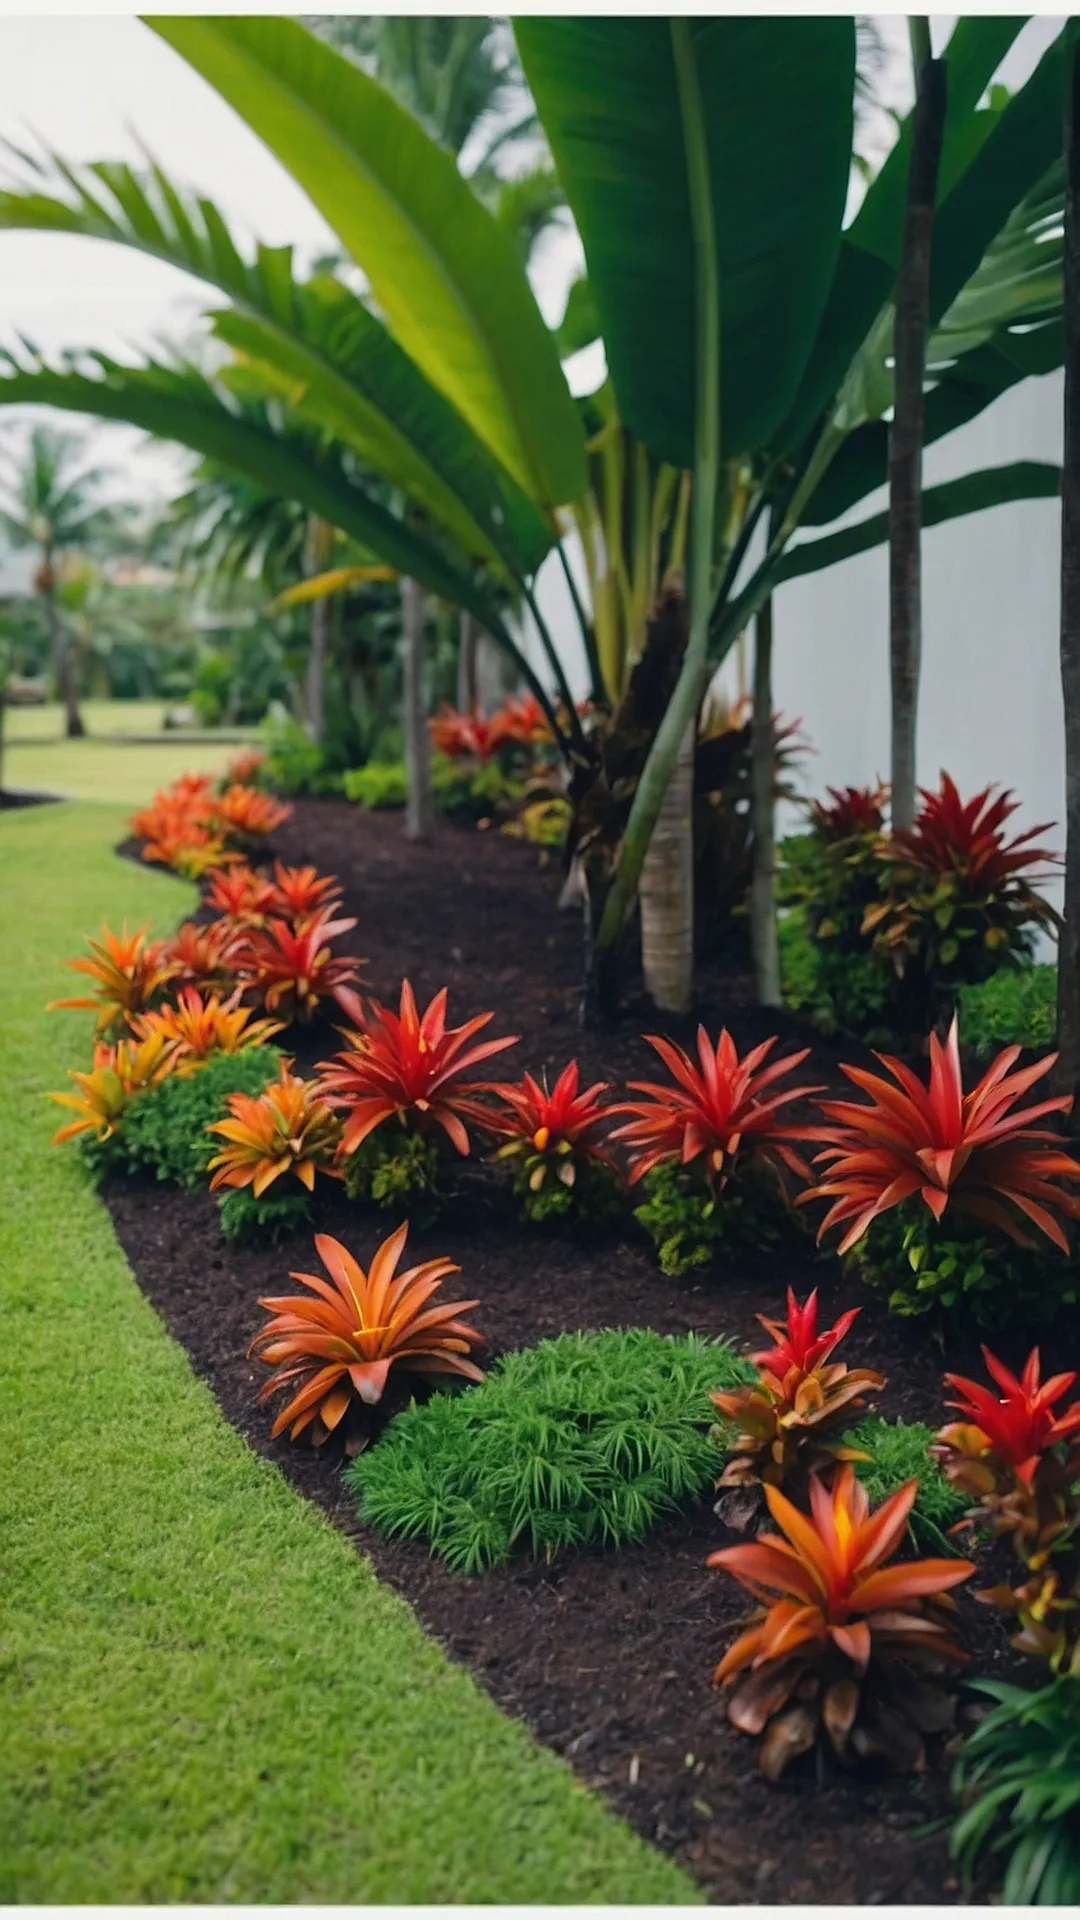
{"points": [[607, 1658]]}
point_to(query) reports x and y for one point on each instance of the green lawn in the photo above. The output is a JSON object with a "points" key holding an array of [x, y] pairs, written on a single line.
{"points": [[205, 1695], [101, 767]]}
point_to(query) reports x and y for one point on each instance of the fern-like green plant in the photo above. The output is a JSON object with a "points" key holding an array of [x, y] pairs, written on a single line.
{"points": [[586, 1440], [898, 1453]]}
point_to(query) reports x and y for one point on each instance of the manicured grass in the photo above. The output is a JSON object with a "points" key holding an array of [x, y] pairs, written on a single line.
{"points": [[205, 1695], [99, 716], [120, 772]]}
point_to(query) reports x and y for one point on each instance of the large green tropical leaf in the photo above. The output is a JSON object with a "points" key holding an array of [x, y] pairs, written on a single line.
{"points": [[447, 277], [777, 103], [179, 404], [1004, 326], [336, 361], [972, 493], [991, 160]]}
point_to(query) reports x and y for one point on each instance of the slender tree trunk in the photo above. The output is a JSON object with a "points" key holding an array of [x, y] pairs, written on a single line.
{"points": [[1068, 1007], [63, 659], [906, 437], [763, 933], [318, 546], [468, 649], [418, 808], [666, 889]]}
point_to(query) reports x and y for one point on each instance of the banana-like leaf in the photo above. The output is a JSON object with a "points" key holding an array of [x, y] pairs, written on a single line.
{"points": [[447, 277], [580, 324], [991, 159], [179, 404], [320, 586], [778, 113], [335, 360], [972, 493], [1004, 326]]}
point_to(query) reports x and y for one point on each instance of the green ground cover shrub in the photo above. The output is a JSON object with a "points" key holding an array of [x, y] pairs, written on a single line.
{"points": [[1015, 1007], [588, 1440], [584, 1440], [953, 1269], [164, 1130], [898, 1452]]}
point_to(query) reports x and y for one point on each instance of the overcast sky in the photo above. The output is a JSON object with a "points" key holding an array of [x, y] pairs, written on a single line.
{"points": [[89, 85]]}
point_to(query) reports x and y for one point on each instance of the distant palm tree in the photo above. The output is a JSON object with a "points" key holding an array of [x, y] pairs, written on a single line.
{"points": [[51, 502]]}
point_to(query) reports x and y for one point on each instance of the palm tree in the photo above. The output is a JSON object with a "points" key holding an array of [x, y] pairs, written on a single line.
{"points": [[51, 502]]}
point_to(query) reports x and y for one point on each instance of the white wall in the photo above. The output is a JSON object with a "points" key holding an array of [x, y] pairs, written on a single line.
{"points": [[990, 699]]}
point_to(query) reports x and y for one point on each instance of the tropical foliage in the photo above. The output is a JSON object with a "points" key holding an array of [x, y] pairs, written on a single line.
{"points": [[977, 1154], [816, 1659], [552, 1140], [785, 1424], [285, 1129], [129, 970], [337, 1343], [585, 1440]]}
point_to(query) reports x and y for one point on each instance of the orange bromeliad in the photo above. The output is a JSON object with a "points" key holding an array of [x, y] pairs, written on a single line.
{"points": [[119, 1072], [407, 1064], [838, 1610], [249, 813], [301, 892], [973, 1152], [284, 1129], [341, 1344], [198, 1027], [191, 851], [242, 895], [129, 970]]}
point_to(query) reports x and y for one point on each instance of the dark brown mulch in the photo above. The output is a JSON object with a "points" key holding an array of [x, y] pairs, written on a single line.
{"points": [[606, 1657]]}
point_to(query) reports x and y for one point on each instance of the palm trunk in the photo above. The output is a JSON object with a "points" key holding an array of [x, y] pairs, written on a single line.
{"points": [[468, 648], [666, 889], [418, 808], [763, 934], [1068, 1006], [906, 437], [63, 659]]}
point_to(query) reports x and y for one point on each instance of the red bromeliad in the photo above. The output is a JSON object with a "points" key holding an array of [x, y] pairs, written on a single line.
{"points": [[715, 1109], [465, 735], [294, 968], [410, 1065], [951, 836], [1009, 1435], [550, 1133], [974, 1152], [838, 1610], [786, 1418], [129, 970], [341, 1344], [853, 811], [1018, 1457]]}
